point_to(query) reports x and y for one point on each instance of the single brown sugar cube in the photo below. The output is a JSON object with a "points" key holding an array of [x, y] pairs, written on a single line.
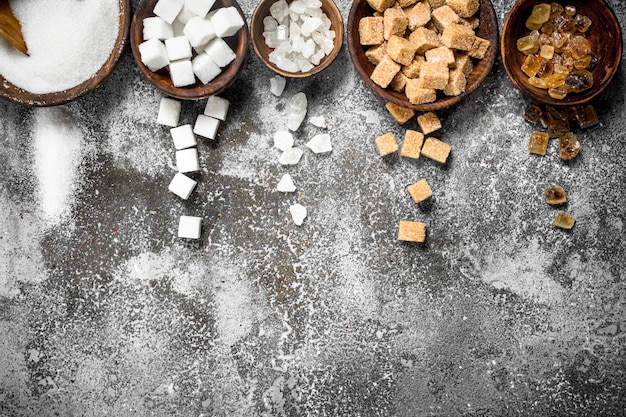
{"points": [[400, 50], [456, 83], [413, 69], [424, 39], [472, 22], [387, 144], [375, 54], [464, 8], [380, 5], [418, 15], [429, 122], [458, 36], [464, 63], [444, 16], [395, 22], [410, 231], [436, 150], [400, 113], [371, 30], [418, 95], [384, 72], [441, 54], [420, 191], [538, 143], [412, 144], [399, 82], [564, 220], [480, 48], [434, 75], [406, 3], [436, 3]]}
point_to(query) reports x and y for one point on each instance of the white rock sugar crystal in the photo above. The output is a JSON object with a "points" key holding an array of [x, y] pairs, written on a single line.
{"points": [[320, 143], [277, 85], [286, 185], [319, 121], [290, 156], [297, 111], [298, 213], [283, 140]]}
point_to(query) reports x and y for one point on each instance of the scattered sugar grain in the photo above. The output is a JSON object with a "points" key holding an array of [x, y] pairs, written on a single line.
{"points": [[286, 184], [298, 213], [320, 143], [277, 85], [283, 140], [290, 156], [319, 121]]}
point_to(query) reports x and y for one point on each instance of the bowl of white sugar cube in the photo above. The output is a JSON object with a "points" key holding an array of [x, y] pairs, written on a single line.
{"points": [[190, 49], [296, 38]]}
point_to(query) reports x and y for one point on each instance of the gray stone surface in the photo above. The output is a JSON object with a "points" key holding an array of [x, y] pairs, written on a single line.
{"points": [[104, 311]]}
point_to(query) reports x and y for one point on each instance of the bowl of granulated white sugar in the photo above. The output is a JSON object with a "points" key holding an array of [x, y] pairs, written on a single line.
{"points": [[73, 46]]}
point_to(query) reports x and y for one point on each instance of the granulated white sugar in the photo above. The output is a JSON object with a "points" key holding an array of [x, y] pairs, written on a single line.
{"points": [[68, 42]]}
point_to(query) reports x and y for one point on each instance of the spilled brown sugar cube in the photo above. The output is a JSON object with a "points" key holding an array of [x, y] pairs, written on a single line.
{"points": [[538, 143], [412, 144], [410, 231], [429, 122], [436, 150], [420, 191], [386, 144], [564, 220], [569, 147], [400, 113]]}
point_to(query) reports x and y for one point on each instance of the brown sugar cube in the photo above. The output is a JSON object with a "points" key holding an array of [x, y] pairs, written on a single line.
{"points": [[420, 191], [444, 16], [424, 39], [464, 8], [380, 5], [472, 22], [418, 15], [480, 48], [418, 95], [400, 113], [384, 72], [456, 83], [386, 144], [436, 150], [412, 144], [538, 143], [371, 30], [413, 69], [395, 22], [429, 122], [409, 231], [441, 54], [406, 3], [464, 63], [375, 54], [400, 50], [458, 36], [434, 75], [436, 3], [399, 82]]}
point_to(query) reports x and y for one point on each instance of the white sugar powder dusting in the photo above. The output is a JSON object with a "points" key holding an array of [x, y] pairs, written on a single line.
{"points": [[68, 41]]}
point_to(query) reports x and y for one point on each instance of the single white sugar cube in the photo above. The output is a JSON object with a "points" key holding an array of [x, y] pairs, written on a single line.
{"points": [[290, 156], [178, 48], [185, 14], [178, 28], [200, 7], [283, 140], [168, 9], [189, 227], [277, 85], [199, 31], [286, 185], [181, 72], [298, 213], [182, 185], [220, 52], [320, 143], [183, 137], [153, 54], [204, 68], [187, 160], [206, 126], [227, 21], [216, 107], [169, 112], [156, 28]]}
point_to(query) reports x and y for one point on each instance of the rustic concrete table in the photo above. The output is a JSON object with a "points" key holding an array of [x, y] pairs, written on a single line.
{"points": [[104, 311]]}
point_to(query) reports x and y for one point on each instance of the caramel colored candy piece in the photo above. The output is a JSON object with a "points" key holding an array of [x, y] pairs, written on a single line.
{"points": [[533, 113], [420, 191], [409, 231], [586, 116], [538, 143], [569, 147], [555, 195], [564, 220]]}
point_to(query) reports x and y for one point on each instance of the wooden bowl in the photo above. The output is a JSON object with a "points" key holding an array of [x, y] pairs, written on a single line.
{"points": [[604, 35], [488, 29], [239, 43], [17, 95], [262, 50]]}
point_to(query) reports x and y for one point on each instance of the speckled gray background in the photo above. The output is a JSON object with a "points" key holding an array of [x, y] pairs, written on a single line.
{"points": [[106, 313]]}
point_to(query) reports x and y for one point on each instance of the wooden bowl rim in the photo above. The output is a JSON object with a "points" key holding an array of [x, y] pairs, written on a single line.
{"points": [[487, 13], [258, 42], [17, 95]]}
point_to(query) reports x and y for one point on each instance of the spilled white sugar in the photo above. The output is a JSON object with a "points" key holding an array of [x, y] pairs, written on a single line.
{"points": [[68, 42]]}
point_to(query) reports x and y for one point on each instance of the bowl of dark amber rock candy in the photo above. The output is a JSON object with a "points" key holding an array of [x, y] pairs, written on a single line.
{"points": [[561, 54]]}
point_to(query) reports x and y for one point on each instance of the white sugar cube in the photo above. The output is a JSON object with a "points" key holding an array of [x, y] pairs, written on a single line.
{"points": [[286, 185], [206, 126], [283, 140], [187, 160], [189, 227], [168, 9], [178, 27], [220, 52], [216, 107], [181, 73], [182, 185], [320, 143], [200, 7], [183, 137], [156, 28], [185, 14], [290, 156], [199, 31], [298, 213], [277, 85], [169, 112], [227, 21], [178, 48], [204, 68], [153, 54]]}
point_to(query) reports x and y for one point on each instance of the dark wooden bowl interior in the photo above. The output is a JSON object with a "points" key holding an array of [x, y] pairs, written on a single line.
{"points": [[262, 50], [161, 79], [17, 95], [488, 29], [604, 36]]}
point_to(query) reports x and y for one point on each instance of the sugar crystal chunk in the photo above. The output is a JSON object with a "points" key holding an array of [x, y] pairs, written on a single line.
{"points": [[200, 7], [153, 54], [169, 112], [564, 220], [182, 185], [320, 143], [290, 156], [220, 52], [538, 143], [318, 121], [217, 107], [283, 140], [555, 195], [178, 48], [277, 85], [569, 146], [286, 185], [168, 9], [279, 10], [189, 227], [297, 111], [227, 21], [181, 73], [206, 126], [205, 68], [183, 137], [298, 213], [155, 27], [187, 160]]}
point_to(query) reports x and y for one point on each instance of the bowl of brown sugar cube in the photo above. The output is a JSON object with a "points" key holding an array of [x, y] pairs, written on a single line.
{"points": [[423, 54], [561, 53], [190, 50]]}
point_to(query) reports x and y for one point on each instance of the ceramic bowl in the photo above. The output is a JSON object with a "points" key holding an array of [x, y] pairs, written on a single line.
{"points": [[239, 43], [488, 29], [262, 50], [604, 35], [17, 95]]}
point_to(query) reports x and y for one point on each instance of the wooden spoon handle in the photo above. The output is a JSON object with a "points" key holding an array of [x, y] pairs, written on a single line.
{"points": [[10, 28]]}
